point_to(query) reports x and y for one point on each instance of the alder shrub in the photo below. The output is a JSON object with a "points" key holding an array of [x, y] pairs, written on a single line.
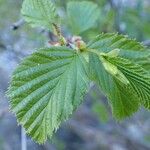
{"points": [[51, 83]]}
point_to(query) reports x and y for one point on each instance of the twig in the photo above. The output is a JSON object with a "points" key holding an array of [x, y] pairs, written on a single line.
{"points": [[17, 24], [57, 31], [23, 139]]}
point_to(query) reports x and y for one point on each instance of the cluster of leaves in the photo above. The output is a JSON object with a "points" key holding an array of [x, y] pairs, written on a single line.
{"points": [[51, 83]]}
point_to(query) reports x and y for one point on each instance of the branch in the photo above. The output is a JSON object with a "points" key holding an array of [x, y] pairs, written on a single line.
{"points": [[23, 139], [17, 24]]}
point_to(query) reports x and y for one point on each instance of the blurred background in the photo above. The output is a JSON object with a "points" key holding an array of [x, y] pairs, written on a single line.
{"points": [[91, 127]]}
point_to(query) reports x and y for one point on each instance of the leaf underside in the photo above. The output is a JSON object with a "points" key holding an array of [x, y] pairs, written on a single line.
{"points": [[46, 88]]}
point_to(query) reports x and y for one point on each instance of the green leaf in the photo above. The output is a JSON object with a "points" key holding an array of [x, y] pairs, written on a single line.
{"points": [[137, 76], [82, 16], [46, 88], [134, 87], [108, 41], [129, 48], [39, 13], [122, 97]]}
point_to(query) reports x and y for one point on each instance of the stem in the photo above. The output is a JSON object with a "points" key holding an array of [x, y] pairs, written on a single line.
{"points": [[57, 31], [23, 139], [18, 24]]}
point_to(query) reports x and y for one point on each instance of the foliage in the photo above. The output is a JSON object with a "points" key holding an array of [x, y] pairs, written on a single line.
{"points": [[39, 13], [79, 13], [51, 83]]}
